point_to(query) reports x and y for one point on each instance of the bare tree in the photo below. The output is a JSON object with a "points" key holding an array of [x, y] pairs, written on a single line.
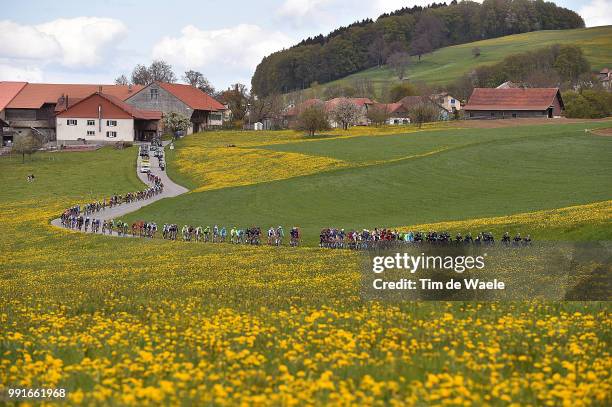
{"points": [[346, 113], [237, 98], [427, 35], [313, 119], [141, 75], [420, 45], [198, 80], [378, 114], [26, 144], [121, 80], [424, 112], [399, 62], [376, 51], [161, 71], [269, 107], [364, 88]]}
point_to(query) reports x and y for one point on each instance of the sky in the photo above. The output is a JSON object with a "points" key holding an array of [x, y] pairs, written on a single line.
{"points": [[70, 41]]}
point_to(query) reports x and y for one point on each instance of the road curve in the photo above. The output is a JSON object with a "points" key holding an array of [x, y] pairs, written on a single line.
{"points": [[171, 189]]}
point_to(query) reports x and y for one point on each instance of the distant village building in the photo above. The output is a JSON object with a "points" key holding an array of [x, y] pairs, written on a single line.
{"points": [[292, 112], [203, 110], [448, 102], [362, 103], [605, 77], [493, 103], [410, 102], [102, 118], [396, 113], [30, 108]]}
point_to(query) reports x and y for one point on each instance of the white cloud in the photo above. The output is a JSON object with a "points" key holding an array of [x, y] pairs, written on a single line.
{"points": [[22, 74], [84, 40], [73, 42], [21, 41], [235, 50], [597, 12]]}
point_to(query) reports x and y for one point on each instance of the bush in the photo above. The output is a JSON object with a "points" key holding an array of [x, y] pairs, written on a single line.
{"points": [[313, 119], [588, 104], [424, 113]]}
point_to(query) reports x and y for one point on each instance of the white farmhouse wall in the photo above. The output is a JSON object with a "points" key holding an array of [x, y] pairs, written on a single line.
{"points": [[450, 102], [124, 129]]}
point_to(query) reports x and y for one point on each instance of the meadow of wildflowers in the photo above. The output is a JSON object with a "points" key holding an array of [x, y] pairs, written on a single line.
{"points": [[151, 322]]}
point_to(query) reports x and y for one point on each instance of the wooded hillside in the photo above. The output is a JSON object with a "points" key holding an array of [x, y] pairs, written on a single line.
{"points": [[415, 31]]}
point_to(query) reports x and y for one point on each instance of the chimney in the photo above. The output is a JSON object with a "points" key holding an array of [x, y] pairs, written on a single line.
{"points": [[66, 101], [130, 88], [100, 89]]}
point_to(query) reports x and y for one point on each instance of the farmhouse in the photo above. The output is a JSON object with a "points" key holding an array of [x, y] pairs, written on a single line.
{"points": [[410, 102], [293, 111], [486, 103], [31, 107], [105, 118], [203, 110], [396, 113], [362, 103], [448, 102]]}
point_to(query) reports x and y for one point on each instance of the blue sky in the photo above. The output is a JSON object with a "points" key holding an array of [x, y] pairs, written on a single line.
{"points": [[95, 41]]}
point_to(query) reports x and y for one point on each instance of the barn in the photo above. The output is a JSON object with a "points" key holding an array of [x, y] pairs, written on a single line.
{"points": [[499, 103], [201, 109]]}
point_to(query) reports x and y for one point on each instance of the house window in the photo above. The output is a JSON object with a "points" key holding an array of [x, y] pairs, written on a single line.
{"points": [[111, 134], [71, 122], [111, 123], [452, 101], [91, 133], [154, 93], [91, 122], [492, 113]]}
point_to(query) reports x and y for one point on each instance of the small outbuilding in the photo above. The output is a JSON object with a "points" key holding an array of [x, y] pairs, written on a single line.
{"points": [[504, 103]]}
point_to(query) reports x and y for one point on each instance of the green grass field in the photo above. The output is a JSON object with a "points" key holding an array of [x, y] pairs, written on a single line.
{"points": [[409, 179], [151, 322], [447, 64]]}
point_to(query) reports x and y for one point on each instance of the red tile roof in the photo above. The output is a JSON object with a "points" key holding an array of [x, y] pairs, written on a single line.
{"points": [[295, 110], [192, 97], [332, 103], [391, 107], [34, 95], [114, 108], [512, 99], [8, 91]]}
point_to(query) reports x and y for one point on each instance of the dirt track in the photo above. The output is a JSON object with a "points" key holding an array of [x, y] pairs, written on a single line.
{"points": [[603, 132], [494, 124]]}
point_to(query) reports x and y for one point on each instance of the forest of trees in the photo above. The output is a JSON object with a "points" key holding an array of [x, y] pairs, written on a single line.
{"points": [[415, 31]]}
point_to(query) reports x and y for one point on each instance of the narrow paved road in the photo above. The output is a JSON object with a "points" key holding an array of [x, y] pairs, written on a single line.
{"points": [[171, 189]]}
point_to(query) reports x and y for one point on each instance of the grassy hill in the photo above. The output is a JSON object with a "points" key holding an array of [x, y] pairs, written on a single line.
{"points": [[446, 64], [390, 180]]}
